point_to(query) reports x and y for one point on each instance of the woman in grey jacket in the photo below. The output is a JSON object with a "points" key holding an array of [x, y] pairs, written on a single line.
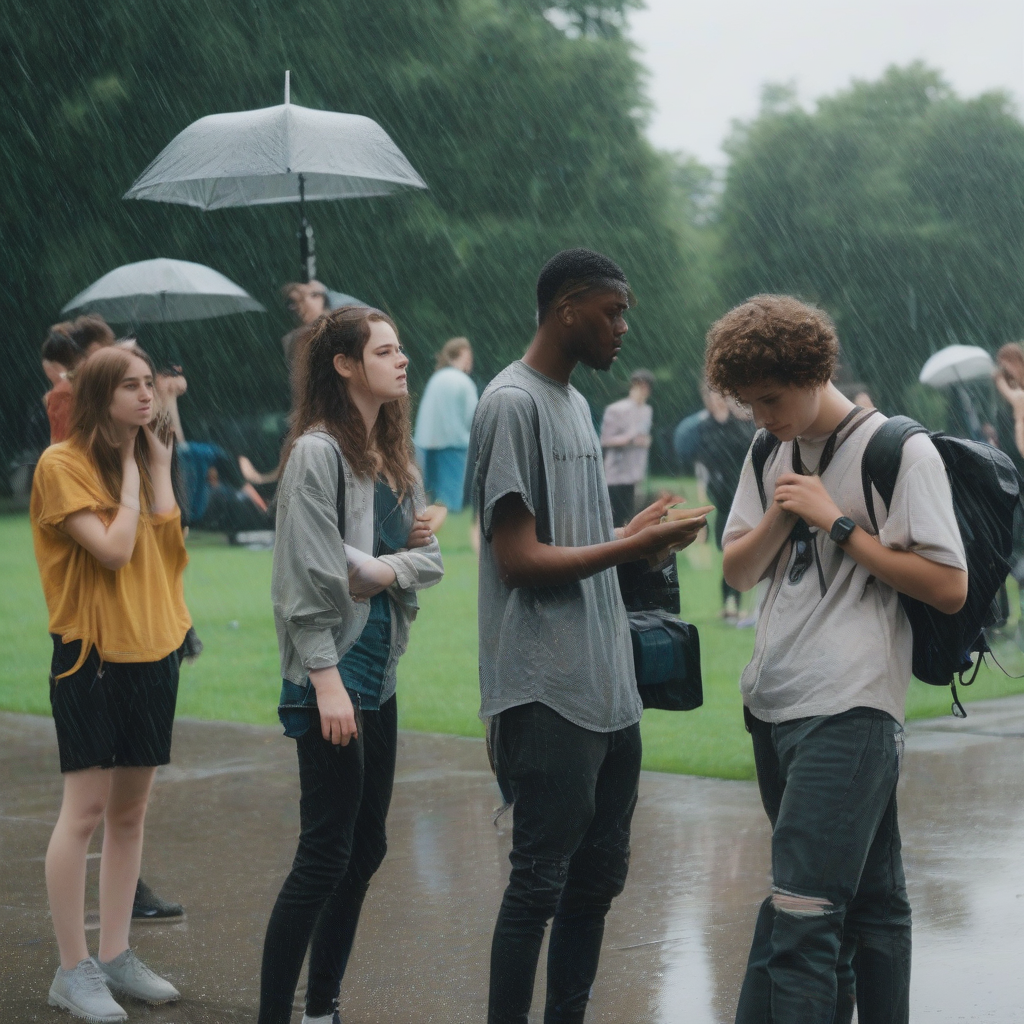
{"points": [[352, 548]]}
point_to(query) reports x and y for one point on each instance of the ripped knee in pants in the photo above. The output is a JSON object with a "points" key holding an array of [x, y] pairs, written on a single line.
{"points": [[785, 902]]}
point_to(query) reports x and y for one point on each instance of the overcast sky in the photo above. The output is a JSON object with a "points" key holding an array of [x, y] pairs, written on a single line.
{"points": [[708, 60]]}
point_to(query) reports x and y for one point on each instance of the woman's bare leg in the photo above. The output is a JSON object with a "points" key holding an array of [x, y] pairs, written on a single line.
{"points": [[81, 810], [122, 855]]}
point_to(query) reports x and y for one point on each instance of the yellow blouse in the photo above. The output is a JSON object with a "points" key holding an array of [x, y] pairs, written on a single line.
{"points": [[134, 614]]}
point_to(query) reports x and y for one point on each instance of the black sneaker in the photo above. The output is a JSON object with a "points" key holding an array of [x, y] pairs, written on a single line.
{"points": [[150, 907]]}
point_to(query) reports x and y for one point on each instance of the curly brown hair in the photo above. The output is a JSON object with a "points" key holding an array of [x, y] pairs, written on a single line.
{"points": [[321, 400], [771, 337]]}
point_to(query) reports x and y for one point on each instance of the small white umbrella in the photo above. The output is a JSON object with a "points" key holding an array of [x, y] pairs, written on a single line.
{"points": [[281, 154], [956, 364], [163, 291]]}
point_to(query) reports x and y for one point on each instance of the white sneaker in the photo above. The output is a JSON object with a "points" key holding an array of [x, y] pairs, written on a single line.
{"points": [[83, 992], [128, 975]]}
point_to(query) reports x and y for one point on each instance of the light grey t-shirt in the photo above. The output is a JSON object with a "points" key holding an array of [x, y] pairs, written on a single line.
{"points": [[567, 647], [625, 464], [852, 647]]}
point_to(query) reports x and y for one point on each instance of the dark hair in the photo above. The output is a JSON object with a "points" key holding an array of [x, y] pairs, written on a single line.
{"points": [[771, 337], [577, 272], [321, 401], [95, 381], [91, 329], [642, 377], [60, 348]]}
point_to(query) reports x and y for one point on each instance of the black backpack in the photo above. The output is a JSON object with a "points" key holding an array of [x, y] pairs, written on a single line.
{"points": [[986, 491]]}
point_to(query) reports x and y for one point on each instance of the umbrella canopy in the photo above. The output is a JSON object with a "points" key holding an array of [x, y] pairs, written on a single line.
{"points": [[162, 291], [956, 364], [275, 155], [337, 299], [282, 154]]}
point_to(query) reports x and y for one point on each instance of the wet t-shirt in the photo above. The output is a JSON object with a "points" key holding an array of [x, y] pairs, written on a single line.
{"points": [[824, 653], [133, 614], [567, 647]]}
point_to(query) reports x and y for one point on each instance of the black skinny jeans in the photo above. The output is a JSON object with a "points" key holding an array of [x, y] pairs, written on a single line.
{"points": [[573, 795], [345, 795]]}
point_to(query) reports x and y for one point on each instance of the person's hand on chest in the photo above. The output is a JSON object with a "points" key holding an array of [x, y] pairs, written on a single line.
{"points": [[806, 497]]}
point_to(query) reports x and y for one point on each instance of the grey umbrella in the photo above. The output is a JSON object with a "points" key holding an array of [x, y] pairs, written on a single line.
{"points": [[163, 291], [280, 154]]}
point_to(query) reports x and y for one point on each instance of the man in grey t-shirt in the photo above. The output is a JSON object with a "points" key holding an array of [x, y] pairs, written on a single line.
{"points": [[556, 671]]}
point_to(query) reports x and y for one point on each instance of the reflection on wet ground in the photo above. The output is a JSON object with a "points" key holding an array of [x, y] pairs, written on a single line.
{"points": [[221, 834]]}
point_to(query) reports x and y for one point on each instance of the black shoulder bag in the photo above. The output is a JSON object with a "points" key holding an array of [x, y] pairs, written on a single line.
{"points": [[666, 650]]}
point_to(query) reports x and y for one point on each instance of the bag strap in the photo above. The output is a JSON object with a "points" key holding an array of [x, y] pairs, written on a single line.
{"points": [[880, 464], [760, 450], [339, 501]]}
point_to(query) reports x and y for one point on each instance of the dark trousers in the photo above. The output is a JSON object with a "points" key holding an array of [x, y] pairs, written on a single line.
{"points": [[836, 928], [623, 501], [345, 794], [573, 795]]}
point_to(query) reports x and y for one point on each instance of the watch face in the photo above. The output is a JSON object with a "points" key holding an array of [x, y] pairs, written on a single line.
{"points": [[841, 529]]}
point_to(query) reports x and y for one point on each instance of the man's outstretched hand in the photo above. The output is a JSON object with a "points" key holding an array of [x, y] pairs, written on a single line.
{"points": [[678, 530], [654, 513]]}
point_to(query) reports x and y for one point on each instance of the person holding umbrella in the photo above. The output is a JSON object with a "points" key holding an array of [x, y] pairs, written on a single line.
{"points": [[307, 302]]}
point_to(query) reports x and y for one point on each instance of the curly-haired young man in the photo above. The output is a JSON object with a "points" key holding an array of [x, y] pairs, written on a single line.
{"points": [[824, 693]]}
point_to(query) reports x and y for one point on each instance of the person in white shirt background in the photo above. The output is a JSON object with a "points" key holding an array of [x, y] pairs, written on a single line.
{"points": [[626, 440]]}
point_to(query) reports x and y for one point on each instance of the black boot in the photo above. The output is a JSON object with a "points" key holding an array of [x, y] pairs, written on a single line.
{"points": [[151, 907]]}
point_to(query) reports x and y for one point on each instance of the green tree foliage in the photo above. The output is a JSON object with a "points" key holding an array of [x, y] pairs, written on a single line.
{"points": [[896, 205], [530, 138]]}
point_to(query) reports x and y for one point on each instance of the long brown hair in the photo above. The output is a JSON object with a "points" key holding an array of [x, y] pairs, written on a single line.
{"points": [[94, 382], [320, 399]]}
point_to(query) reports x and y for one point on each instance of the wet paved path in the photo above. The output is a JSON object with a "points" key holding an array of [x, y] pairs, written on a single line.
{"points": [[221, 833]]}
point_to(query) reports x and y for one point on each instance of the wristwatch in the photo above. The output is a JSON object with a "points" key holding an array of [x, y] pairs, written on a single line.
{"points": [[841, 530]]}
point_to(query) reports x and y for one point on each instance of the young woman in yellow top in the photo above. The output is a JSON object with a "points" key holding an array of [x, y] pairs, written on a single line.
{"points": [[108, 540]]}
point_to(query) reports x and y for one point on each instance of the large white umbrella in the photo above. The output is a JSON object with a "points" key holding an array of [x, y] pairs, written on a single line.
{"points": [[956, 364], [163, 291], [281, 154]]}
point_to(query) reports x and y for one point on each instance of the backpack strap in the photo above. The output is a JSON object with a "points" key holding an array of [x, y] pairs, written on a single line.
{"points": [[339, 502], [762, 447], [880, 464]]}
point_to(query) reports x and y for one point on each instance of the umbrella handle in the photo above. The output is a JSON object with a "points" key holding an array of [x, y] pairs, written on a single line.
{"points": [[307, 245]]}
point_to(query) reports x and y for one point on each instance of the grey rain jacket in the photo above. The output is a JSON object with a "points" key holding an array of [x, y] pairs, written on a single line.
{"points": [[317, 620]]}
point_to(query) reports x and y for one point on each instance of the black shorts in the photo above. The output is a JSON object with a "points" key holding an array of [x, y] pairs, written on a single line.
{"points": [[121, 716]]}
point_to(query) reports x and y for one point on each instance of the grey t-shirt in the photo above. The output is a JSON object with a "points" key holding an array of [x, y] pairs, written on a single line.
{"points": [[822, 655], [567, 647]]}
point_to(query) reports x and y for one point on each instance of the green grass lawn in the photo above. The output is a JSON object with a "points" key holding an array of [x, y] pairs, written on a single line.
{"points": [[237, 677]]}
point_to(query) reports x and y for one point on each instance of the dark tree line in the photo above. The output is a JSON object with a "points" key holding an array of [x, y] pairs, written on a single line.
{"points": [[895, 204], [529, 135]]}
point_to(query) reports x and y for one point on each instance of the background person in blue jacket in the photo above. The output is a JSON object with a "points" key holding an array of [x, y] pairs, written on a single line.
{"points": [[443, 422]]}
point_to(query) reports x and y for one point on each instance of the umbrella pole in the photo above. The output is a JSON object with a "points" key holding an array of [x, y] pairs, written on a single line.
{"points": [[307, 245]]}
